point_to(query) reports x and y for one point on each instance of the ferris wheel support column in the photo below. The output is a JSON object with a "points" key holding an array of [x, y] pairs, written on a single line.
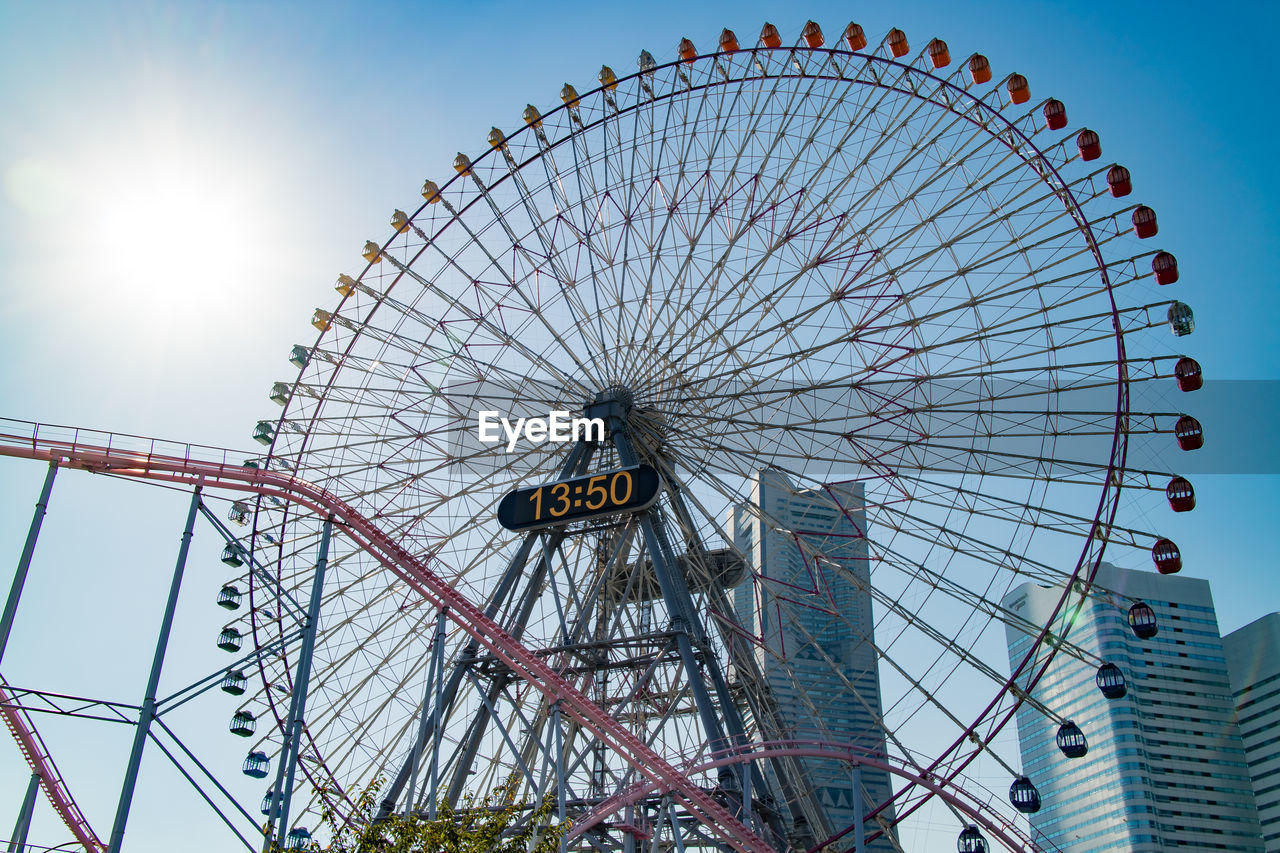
{"points": [[24, 562], [438, 681], [428, 717], [148, 711], [298, 702], [579, 457], [680, 609], [19, 841], [752, 778], [517, 619], [560, 790]]}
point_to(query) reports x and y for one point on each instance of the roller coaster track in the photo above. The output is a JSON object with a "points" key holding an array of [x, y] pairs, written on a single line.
{"points": [[24, 731], [187, 464]]}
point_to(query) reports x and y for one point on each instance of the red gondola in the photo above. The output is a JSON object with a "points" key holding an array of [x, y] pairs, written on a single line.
{"points": [[1189, 433], [1089, 145], [1144, 222], [1188, 373], [1182, 498], [1119, 181], [1019, 89], [979, 69], [1165, 268], [938, 53], [897, 42], [855, 37], [812, 34], [1055, 114], [1166, 556]]}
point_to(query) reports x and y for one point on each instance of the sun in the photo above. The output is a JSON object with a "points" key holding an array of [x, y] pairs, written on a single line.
{"points": [[170, 230]]}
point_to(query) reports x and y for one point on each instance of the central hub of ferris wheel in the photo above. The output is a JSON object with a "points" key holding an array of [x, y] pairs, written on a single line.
{"points": [[617, 393]]}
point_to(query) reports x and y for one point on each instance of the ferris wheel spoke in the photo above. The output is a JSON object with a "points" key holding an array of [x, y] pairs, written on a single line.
{"points": [[634, 217], [1061, 521], [943, 458], [913, 151], [945, 643], [915, 435], [1091, 375], [912, 571], [874, 714], [478, 319], [1006, 251], [757, 118], [599, 258], [562, 277], [1098, 324], [764, 333], [316, 733], [758, 265], [976, 188], [969, 598], [924, 530]]}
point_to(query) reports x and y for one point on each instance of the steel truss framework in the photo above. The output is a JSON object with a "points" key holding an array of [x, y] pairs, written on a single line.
{"points": [[18, 704], [703, 820], [487, 634]]}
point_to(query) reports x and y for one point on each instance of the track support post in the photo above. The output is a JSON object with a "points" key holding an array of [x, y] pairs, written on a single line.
{"points": [[24, 562], [859, 831], [560, 786], [283, 791], [415, 754], [18, 843], [148, 710], [437, 711], [675, 828]]}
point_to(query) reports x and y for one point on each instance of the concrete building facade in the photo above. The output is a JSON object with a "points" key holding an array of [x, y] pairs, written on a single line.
{"points": [[812, 618], [1253, 659]]}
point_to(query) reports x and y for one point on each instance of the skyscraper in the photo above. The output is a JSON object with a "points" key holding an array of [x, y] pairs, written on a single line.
{"points": [[809, 609], [1253, 658], [1165, 767]]}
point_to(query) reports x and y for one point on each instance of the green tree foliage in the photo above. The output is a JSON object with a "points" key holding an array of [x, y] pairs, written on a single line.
{"points": [[495, 823]]}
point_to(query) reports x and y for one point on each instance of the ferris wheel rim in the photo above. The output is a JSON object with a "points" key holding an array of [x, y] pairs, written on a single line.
{"points": [[1118, 439]]}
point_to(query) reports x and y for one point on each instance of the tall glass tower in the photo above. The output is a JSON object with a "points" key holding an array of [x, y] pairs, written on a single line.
{"points": [[815, 614], [1166, 767], [1253, 657]]}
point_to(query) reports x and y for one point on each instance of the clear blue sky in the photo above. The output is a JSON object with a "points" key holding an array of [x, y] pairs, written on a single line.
{"points": [[181, 184]]}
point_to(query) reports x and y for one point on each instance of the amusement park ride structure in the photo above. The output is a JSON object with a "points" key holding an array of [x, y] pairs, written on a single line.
{"points": [[844, 263]]}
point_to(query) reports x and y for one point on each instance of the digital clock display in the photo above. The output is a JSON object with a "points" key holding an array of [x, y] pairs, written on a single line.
{"points": [[624, 490]]}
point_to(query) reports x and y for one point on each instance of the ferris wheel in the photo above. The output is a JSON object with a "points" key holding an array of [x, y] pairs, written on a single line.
{"points": [[860, 326]]}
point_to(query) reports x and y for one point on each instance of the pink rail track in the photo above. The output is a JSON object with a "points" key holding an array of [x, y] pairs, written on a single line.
{"points": [[189, 464], [24, 731]]}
